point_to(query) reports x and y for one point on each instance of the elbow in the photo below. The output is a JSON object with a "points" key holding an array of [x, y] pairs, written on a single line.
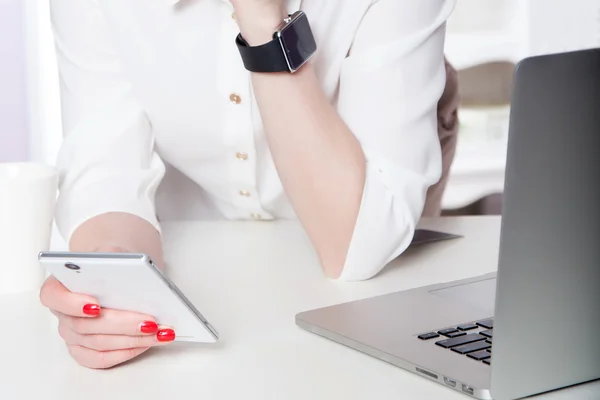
{"points": [[332, 268], [376, 242], [389, 212], [342, 268]]}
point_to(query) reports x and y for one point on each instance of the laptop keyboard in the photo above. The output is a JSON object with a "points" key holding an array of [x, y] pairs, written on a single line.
{"points": [[473, 340]]}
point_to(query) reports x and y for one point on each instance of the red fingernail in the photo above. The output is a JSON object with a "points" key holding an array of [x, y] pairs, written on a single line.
{"points": [[148, 327], [91, 309], [165, 335]]}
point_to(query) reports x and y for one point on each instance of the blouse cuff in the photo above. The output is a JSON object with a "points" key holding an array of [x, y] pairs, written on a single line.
{"points": [[391, 207], [108, 194]]}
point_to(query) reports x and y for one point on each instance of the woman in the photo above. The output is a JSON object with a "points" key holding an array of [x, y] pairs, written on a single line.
{"points": [[164, 120]]}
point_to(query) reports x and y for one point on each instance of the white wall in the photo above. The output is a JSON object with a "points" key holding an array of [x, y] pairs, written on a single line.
{"points": [[45, 127], [14, 140], [564, 25], [508, 30]]}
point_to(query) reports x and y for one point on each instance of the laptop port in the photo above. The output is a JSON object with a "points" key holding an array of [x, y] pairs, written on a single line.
{"points": [[425, 372], [450, 382], [467, 389]]}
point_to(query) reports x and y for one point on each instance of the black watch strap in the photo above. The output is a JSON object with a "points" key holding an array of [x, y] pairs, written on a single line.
{"points": [[268, 57]]}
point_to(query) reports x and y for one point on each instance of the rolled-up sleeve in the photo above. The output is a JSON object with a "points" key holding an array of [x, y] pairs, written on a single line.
{"points": [[390, 86], [107, 162]]}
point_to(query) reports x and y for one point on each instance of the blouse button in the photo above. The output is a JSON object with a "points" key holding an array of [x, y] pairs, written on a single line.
{"points": [[241, 156], [233, 16], [235, 98], [244, 193], [256, 216]]}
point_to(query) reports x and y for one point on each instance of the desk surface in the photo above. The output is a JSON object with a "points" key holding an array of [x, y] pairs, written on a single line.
{"points": [[250, 279]]}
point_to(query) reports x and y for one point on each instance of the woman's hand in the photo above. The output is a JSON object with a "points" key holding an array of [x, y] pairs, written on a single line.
{"points": [[100, 338], [259, 19]]}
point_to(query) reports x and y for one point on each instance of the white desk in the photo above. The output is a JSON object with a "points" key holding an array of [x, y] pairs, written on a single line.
{"points": [[249, 279]]}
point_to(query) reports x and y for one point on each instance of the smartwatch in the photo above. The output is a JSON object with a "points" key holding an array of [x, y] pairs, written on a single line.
{"points": [[292, 46]]}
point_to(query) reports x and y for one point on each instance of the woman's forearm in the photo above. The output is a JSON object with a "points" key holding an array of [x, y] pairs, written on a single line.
{"points": [[319, 160], [118, 230]]}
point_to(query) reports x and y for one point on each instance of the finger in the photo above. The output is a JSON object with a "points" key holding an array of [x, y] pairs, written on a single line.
{"points": [[112, 342], [103, 360], [57, 297], [113, 322]]}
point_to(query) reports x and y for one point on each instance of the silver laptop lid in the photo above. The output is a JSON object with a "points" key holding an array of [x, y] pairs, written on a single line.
{"points": [[547, 318]]}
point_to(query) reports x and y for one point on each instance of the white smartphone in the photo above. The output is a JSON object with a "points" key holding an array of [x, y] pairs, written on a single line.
{"points": [[132, 282]]}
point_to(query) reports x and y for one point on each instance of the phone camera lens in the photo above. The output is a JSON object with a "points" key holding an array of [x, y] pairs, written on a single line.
{"points": [[72, 267]]}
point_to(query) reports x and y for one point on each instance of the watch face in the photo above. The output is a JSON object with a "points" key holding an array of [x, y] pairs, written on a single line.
{"points": [[298, 42]]}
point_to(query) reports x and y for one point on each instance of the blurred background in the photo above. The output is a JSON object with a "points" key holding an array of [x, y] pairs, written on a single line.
{"points": [[485, 39]]}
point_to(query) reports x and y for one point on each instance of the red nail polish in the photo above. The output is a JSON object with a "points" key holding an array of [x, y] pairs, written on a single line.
{"points": [[91, 309], [148, 327], [165, 335]]}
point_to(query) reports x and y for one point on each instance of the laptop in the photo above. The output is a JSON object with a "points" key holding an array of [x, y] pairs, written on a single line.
{"points": [[534, 325]]}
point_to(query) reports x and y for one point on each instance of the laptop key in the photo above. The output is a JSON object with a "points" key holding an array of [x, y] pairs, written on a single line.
{"points": [[456, 334], [427, 336], [448, 331], [479, 355], [487, 361], [486, 323], [471, 347], [467, 327], [457, 341], [489, 333]]}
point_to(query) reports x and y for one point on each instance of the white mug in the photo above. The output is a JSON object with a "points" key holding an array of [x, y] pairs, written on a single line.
{"points": [[27, 199]]}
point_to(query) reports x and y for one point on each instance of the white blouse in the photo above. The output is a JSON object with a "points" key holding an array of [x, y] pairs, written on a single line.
{"points": [[160, 119]]}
